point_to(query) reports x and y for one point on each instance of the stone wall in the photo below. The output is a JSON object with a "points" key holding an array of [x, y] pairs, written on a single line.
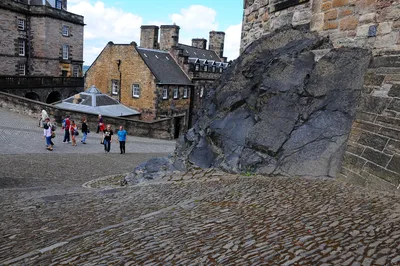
{"points": [[356, 23], [373, 153], [160, 129]]}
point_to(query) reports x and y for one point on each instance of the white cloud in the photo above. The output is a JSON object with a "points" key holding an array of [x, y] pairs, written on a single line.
{"points": [[232, 41], [105, 24], [91, 53], [196, 17]]}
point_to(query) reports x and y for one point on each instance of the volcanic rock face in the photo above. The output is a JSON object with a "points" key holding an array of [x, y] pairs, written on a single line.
{"points": [[281, 108]]}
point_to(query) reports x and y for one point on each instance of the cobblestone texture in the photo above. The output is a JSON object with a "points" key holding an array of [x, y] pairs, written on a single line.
{"points": [[204, 217]]}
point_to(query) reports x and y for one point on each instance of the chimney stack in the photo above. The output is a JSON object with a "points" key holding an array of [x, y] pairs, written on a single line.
{"points": [[199, 43], [169, 37], [149, 36], [217, 39]]}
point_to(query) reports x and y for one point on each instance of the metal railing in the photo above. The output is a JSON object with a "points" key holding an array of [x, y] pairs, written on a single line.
{"points": [[9, 82]]}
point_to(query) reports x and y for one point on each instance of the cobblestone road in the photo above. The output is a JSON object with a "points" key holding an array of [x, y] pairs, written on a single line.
{"points": [[200, 218]]}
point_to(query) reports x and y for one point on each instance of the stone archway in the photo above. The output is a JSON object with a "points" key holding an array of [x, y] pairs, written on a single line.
{"points": [[54, 96], [33, 96]]}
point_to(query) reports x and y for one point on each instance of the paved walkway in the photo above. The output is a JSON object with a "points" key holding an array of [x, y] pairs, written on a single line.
{"points": [[203, 217]]}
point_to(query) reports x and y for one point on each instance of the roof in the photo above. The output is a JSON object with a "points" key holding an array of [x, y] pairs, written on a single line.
{"points": [[195, 52], [93, 101], [163, 67]]}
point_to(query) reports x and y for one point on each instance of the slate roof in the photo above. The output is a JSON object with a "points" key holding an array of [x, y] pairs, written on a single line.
{"points": [[163, 67], [195, 52], [94, 102]]}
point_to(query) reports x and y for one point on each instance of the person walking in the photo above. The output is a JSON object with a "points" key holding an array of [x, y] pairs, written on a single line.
{"points": [[107, 138], [66, 126], [73, 130], [43, 116], [100, 124], [85, 130], [47, 133], [122, 138]]}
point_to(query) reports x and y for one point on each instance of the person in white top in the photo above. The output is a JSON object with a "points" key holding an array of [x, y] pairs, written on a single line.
{"points": [[47, 133]]}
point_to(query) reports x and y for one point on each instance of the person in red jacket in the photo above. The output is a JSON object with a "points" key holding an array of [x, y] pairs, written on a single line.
{"points": [[66, 126]]}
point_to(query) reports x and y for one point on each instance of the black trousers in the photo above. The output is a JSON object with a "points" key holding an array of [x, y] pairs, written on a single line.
{"points": [[122, 146]]}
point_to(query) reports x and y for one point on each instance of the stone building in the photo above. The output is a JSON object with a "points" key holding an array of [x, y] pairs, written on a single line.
{"points": [[372, 157], [40, 38], [169, 78]]}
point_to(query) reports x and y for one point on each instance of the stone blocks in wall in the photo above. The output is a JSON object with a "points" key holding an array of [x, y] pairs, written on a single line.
{"points": [[373, 151]]}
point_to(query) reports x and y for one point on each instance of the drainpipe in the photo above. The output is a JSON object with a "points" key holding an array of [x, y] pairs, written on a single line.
{"points": [[120, 76]]}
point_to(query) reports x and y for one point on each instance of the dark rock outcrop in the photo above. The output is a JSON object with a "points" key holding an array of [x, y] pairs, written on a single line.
{"points": [[285, 107]]}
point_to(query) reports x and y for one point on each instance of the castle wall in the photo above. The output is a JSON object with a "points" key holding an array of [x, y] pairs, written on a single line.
{"points": [[372, 156]]}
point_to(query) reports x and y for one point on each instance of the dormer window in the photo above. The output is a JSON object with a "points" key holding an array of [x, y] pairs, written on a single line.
{"points": [[220, 70], [59, 4], [213, 69], [176, 93], [165, 93], [205, 68], [197, 67]]}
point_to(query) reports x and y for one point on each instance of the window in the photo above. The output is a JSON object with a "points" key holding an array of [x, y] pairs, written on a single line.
{"points": [[185, 93], [75, 71], [21, 47], [59, 4], [135, 90], [205, 68], [65, 51], [220, 70], [114, 87], [201, 92], [21, 69], [176, 93], [21, 24], [165, 93], [65, 30], [197, 67], [213, 69]]}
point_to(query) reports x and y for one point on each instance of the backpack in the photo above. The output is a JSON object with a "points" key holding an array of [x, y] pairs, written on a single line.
{"points": [[63, 124], [53, 128], [45, 126]]}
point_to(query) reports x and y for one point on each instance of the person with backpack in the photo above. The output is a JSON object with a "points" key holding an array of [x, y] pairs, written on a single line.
{"points": [[47, 133], [66, 127]]}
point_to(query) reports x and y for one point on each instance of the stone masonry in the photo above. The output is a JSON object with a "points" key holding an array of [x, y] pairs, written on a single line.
{"points": [[43, 37], [372, 157]]}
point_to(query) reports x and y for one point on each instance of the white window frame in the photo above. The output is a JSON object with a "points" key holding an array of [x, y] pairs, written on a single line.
{"points": [[176, 93], [205, 68], [22, 69], [185, 93], [65, 30], [135, 90], [221, 70], [201, 92], [165, 93], [21, 23], [114, 87], [21, 47], [75, 71], [197, 67], [65, 51]]}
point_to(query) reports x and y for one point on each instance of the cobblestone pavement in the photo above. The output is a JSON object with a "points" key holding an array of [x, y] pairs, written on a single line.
{"points": [[203, 217]]}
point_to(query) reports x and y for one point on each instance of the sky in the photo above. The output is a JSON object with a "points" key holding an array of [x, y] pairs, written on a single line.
{"points": [[119, 21]]}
